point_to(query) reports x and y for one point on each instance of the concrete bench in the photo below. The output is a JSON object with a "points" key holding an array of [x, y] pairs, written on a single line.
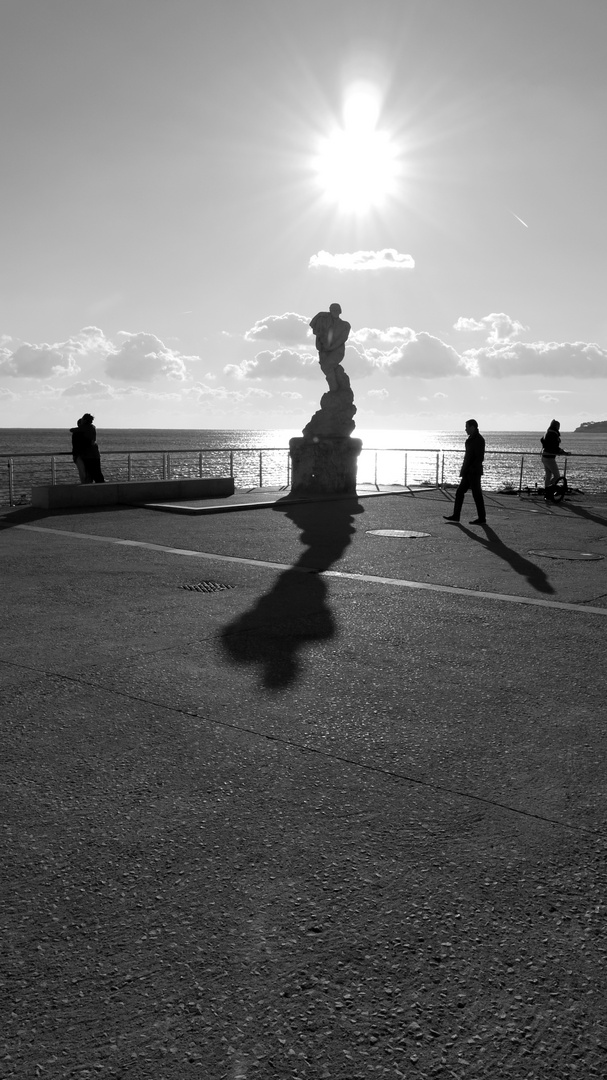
{"points": [[132, 492]]}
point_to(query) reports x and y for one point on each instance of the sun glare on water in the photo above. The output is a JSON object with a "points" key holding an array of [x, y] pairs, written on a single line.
{"points": [[357, 165]]}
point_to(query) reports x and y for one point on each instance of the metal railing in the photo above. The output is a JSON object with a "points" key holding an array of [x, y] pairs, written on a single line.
{"points": [[165, 468], [439, 467]]}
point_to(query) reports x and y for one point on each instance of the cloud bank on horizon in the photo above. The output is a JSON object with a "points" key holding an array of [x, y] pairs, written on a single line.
{"points": [[396, 362]]}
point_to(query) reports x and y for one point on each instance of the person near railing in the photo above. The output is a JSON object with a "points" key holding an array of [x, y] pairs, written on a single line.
{"points": [[551, 447], [470, 473], [78, 448], [90, 450]]}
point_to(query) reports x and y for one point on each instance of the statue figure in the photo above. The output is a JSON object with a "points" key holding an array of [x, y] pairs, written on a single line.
{"points": [[324, 460], [331, 336]]}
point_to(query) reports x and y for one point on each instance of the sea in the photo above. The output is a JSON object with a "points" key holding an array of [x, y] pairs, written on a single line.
{"points": [[260, 458]]}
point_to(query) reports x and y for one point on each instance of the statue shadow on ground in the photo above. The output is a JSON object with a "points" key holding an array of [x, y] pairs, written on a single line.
{"points": [[295, 612], [536, 577]]}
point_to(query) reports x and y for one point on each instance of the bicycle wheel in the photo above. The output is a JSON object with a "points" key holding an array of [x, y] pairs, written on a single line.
{"points": [[560, 490]]}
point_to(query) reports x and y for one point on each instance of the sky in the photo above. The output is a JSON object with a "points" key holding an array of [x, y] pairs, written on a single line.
{"points": [[185, 183]]}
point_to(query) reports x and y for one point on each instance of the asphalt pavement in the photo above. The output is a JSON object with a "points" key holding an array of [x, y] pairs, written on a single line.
{"points": [[305, 790]]}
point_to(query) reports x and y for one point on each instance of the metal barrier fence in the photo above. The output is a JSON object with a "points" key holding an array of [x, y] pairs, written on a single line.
{"points": [[506, 470]]}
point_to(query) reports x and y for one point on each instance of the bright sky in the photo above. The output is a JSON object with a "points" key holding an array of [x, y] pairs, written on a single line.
{"points": [[185, 183]]}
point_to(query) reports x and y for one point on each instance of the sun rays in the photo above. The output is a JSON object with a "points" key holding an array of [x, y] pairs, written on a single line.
{"points": [[357, 166]]}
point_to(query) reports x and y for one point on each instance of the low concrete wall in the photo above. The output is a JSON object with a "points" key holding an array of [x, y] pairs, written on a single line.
{"points": [[48, 496]]}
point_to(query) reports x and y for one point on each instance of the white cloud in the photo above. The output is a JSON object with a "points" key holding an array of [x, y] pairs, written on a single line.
{"points": [[91, 389], [386, 259], [371, 338], [143, 357], [287, 329], [89, 341], [280, 364], [576, 360], [38, 362], [497, 326], [383, 393], [291, 395], [427, 357]]}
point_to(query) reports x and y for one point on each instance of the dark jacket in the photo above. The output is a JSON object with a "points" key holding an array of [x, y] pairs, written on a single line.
{"points": [[88, 436], [472, 464], [77, 442], [551, 442]]}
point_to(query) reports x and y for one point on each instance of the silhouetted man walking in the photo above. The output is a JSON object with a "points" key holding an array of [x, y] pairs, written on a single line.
{"points": [[471, 472]]}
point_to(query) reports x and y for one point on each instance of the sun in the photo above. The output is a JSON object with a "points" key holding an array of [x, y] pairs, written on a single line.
{"points": [[357, 165]]}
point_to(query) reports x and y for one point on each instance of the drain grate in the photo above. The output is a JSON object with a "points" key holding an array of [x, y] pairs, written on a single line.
{"points": [[570, 554], [207, 586]]}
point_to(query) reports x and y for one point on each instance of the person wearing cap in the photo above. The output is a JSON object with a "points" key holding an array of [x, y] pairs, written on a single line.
{"points": [[470, 473], [551, 447]]}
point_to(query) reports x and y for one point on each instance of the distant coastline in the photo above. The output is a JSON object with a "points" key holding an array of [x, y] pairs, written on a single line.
{"points": [[590, 427]]}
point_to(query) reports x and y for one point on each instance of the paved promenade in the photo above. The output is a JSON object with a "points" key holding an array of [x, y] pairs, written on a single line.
{"points": [[338, 814]]}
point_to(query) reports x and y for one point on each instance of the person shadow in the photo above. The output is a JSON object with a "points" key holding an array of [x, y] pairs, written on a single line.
{"points": [[295, 612], [532, 573], [581, 511]]}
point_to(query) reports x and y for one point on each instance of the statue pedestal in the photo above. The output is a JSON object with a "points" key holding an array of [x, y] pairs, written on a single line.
{"points": [[324, 465]]}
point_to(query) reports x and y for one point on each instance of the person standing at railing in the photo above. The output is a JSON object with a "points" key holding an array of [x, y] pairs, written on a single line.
{"points": [[551, 443], [90, 451], [78, 448], [470, 473]]}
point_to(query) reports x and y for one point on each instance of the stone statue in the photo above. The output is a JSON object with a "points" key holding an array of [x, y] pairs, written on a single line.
{"points": [[331, 336], [336, 414], [325, 459]]}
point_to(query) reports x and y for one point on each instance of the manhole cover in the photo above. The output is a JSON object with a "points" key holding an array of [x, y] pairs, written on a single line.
{"points": [[570, 554], [207, 586], [409, 534]]}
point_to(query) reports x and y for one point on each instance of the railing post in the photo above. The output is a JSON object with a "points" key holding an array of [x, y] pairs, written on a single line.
{"points": [[11, 492], [53, 472], [442, 470], [405, 483], [520, 479], [565, 469], [437, 468], [164, 466], [200, 463], [288, 468], [128, 467], [376, 484], [232, 464], [168, 466], [261, 468]]}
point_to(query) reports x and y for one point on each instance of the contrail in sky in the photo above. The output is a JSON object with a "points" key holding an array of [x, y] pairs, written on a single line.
{"points": [[519, 219]]}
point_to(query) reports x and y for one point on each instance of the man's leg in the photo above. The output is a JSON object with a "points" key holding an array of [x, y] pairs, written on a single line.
{"points": [[477, 494], [464, 484]]}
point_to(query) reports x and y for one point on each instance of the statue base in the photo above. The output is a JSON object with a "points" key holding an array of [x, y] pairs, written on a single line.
{"points": [[324, 465]]}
